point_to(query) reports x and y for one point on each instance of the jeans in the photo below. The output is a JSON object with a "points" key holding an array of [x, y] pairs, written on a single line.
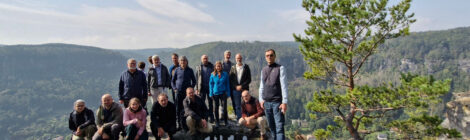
{"points": [[237, 100], [275, 119], [156, 91], [217, 99]]}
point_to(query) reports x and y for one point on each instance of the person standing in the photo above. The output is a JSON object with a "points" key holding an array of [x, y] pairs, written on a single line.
{"points": [[240, 79], [219, 90], [158, 79], [273, 94], [132, 84], [203, 74], [174, 59], [183, 78], [226, 66]]}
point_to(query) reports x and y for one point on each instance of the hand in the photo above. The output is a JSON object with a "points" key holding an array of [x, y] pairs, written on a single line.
{"points": [[78, 132], [139, 123], [161, 132], [283, 108], [100, 130], [105, 136], [136, 137], [248, 120], [149, 94], [197, 93], [204, 123], [121, 101], [261, 104], [239, 88]]}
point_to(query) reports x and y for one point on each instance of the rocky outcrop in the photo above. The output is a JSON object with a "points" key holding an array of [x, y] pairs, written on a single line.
{"points": [[458, 113], [407, 65], [464, 65]]}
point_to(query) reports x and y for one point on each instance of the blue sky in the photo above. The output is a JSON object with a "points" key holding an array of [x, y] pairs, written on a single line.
{"points": [[136, 24]]}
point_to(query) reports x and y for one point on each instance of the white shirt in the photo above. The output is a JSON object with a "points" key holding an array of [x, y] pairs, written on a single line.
{"points": [[239, 72]]}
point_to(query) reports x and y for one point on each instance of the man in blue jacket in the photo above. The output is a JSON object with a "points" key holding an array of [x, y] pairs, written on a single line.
{"points": [[132, 84], [182, 79]]}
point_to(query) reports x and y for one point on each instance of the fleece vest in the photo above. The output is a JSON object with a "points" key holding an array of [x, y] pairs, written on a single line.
{"points": [[272, 83]]}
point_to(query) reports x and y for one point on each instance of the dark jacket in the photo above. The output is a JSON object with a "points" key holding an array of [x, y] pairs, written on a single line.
{"points": [[152, 78], [164, 117], [252, 108], [183, 79], [82, 120], [172, 72], [132, 85], [199, 76], [114, 117], [245, 79], [197, 109]]}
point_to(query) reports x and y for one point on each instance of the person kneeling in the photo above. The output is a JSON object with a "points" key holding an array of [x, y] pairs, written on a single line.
{"points": [[135, 120], [196, 113], [108, 119], [163, 116], [82, 121], [252, 114]]}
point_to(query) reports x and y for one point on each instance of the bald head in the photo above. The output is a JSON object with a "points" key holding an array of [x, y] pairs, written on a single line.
{"points": [[107, 100], [239, 59], [246, 96]]}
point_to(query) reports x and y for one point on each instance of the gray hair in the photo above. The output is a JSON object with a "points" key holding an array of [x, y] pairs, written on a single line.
{"points": [[227, 51], [162, 95], [155, 57], [129, 60], [183, 58], [78, 101]]}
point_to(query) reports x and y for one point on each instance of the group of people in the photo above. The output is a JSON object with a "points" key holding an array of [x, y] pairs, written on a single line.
{"points": [[190, 90]]}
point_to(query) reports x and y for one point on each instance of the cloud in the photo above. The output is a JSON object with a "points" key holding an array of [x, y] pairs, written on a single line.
{"points": [[176, 9], [295, 15], [108, 27]]}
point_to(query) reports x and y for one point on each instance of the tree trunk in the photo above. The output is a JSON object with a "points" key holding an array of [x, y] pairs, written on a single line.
{"points": [[352, 131]]}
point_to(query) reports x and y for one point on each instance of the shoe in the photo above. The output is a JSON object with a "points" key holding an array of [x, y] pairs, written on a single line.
{"points": [[217, 124]]}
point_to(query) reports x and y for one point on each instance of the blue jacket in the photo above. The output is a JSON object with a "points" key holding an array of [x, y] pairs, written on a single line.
{"points": [[133, 86], [183, 79], [220, 85]]}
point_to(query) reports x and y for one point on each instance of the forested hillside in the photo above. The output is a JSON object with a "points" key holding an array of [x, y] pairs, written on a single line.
{"points": [[38, 83]]}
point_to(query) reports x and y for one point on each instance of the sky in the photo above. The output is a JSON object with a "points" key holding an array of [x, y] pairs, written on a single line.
{"points": [[138, 24]]}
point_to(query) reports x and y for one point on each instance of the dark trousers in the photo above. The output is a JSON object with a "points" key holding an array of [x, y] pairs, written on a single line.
{"points": [[132, 130], [112, 132], [275, 119], [180, 109], [170, 129], [205, 95], [222, 98]]}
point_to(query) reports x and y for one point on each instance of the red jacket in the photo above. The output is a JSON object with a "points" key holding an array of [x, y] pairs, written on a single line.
{"points": [[252, 108]]}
